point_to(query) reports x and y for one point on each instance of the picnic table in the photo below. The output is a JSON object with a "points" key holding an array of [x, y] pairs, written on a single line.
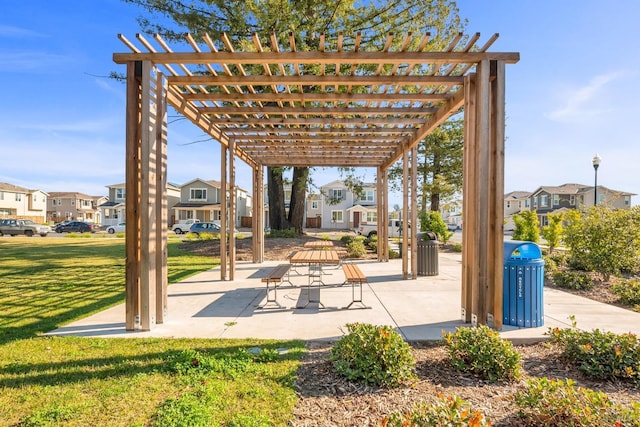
{"points": [[315, 259], [319, 244]]}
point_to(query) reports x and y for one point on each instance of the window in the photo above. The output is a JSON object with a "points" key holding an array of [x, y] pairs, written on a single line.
{"points": [[367, 196], [1, 195], [627, 200], [86, 203], [120, 194], [197, 194], [556, 200], [535, 202], [526, 203], [572, 200], [314, 204], [544, 200], [59, 202], [372, 216], [336, 194], [18, 197], [519, 205], [508, 205], [336, 216], [73, 202]]}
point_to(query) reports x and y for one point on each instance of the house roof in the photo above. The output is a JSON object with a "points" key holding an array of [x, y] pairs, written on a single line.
{"points": [[572, 188], [4, 186], [517, 195], [70, 195]]}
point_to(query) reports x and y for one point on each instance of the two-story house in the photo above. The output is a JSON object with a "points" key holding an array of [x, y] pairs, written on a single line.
{"points": [[74, 206], [515, 202], [200, 199], [451, 213], [548, 199], [114, 209], [340, 208], [20, 202]]}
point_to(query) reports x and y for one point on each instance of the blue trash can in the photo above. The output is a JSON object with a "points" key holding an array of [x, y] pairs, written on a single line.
{"points": [[523, 281]]}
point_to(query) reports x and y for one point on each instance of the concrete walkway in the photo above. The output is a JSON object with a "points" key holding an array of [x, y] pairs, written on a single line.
{"points": [[205, 307]]}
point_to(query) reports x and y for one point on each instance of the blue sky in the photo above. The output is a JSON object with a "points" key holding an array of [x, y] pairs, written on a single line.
{"points": [[573, 94]]}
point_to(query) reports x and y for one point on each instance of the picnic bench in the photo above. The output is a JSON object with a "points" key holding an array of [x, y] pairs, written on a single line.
{"points": [[273, 278], [355, 277]]}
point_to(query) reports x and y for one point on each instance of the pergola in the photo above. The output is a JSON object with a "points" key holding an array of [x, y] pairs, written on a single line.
{"points": [[278, 106]]}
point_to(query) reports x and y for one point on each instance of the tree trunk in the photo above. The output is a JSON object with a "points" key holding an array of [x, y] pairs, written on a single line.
{"points": [[277, 214], [298, 198]]}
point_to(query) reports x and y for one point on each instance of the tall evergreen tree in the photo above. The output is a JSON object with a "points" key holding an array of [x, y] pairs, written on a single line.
{"points": [[305, 19]]}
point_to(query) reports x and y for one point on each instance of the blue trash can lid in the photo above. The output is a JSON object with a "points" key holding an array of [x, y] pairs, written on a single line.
{"points": [[516, 249]]}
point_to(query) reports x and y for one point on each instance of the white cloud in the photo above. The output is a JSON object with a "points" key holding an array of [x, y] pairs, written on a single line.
{"points": [[11, 31], [581, 104]]}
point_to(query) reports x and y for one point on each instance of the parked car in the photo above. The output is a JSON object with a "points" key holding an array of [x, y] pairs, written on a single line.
{"points": [[13, 227], [118, 228], [184, 225], [75, 226], [453, 227], [204, 227]]}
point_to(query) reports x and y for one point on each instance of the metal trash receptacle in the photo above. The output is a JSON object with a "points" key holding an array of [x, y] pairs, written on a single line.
{"points": [[427, 254], [523, 283]]}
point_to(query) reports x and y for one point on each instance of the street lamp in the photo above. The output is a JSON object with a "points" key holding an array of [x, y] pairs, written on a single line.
{"points": [[596, 162]]}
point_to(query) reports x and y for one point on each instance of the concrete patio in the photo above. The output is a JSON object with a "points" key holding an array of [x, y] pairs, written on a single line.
{"points": [[205, 307]]}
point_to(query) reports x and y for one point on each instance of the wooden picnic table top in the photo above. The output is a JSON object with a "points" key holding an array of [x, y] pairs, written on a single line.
{"points": [[318, 244], [315, 256]]}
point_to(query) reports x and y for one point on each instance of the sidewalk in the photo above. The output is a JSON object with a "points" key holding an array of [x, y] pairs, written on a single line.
{"points": [[205, 307]]}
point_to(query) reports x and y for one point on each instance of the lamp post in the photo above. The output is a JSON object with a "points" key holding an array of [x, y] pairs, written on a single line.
{"points": [[596, 162]]}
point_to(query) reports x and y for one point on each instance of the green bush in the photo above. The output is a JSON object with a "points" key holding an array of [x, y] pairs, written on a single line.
{"points": [[289, 233], [447, 411], [527, 226], [628, 291], [483, 352], [356, 249], [576, 280], [602, 355], [432, 221], [372, 242], [550, 266], [546, 402], [456, 247], [559, 258], [346, 239], [393, 254], [604, 240], [375, 354]]}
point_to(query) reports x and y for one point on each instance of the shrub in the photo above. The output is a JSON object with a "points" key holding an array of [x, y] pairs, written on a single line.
{"points": [[456, 247], [577, 280], [560, 403], [375, 354], [559, 258], [356, 249], [325, 237], [604, 240], [447, 411], [289, 233], [432, 221], [552, 232], [393, 254], [602, 355], [527, 226], [481, 351], [628, 291], [550, 265], [346, 239], [372, 242]]}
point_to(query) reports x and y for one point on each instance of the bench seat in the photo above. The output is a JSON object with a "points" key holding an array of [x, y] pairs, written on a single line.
{"points": [[273, 278]]}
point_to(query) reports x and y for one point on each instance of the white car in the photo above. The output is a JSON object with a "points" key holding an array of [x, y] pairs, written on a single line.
{"points": [[119, 228]]}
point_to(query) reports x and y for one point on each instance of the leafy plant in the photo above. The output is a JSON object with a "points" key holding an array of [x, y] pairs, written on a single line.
{"points": [[456, 247], [446, 412], [483, 352], [552, 232], [376, 354], [560, 403], [372, 242], [356, 248], [598, 354], [393, 254], [432, 221], [628, 291], [346, 239], [577, 280], [527, 226], [604, 240]]}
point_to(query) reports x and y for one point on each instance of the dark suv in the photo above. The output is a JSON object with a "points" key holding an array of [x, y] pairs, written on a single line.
{"points": [[75, 226]]}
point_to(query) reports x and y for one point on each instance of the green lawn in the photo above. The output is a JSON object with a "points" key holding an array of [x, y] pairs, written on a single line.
{"points": [[46, 283]]}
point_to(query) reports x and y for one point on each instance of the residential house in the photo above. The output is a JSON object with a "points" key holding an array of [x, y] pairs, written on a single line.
{"points": [[74, 206], [114, 209], [451, 212], [20, 202], [200, 199], [340, 208], [515, 202]]}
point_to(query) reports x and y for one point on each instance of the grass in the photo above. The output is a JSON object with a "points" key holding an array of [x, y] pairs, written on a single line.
{"points": [[73, 381]]}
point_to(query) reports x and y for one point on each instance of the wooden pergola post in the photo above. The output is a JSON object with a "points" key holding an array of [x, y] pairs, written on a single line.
{"points": [[405, 213], [223, 212], [414, 213], [146, 213]]}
